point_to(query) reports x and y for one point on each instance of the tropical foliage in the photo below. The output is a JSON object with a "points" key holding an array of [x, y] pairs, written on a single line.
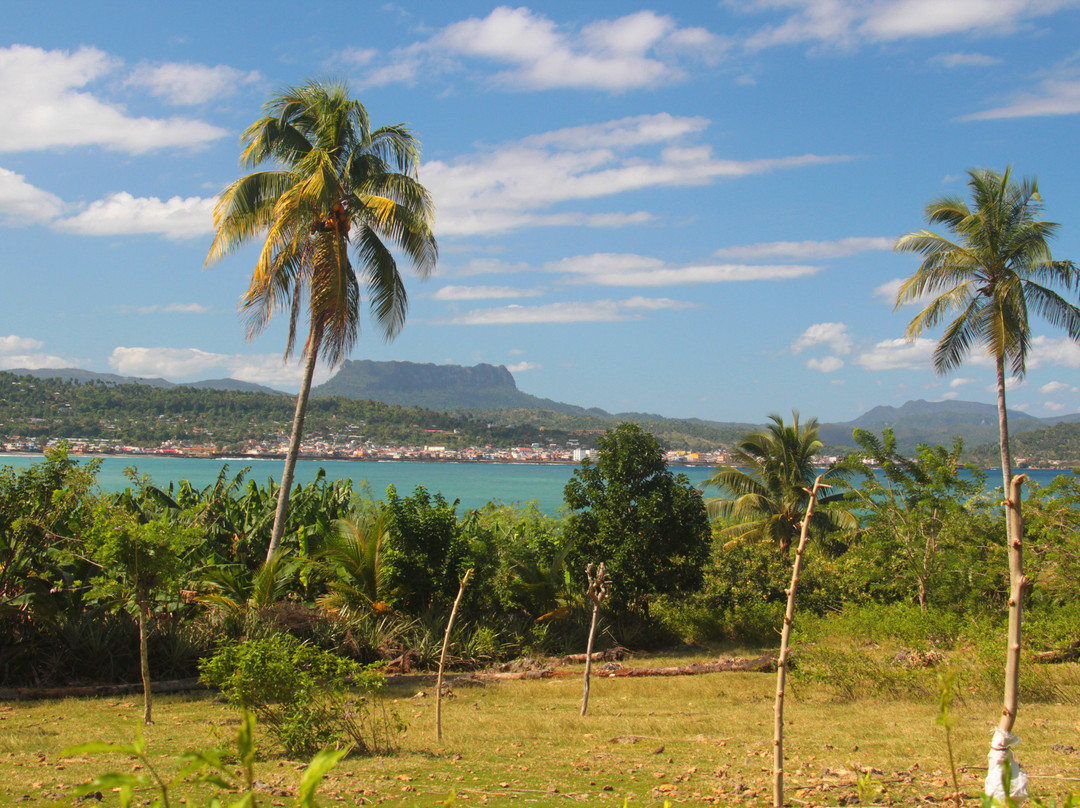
{"points": [[767, 485]]}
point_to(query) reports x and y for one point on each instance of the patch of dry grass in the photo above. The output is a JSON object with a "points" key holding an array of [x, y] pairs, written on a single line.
{"points": [[693, 740]]}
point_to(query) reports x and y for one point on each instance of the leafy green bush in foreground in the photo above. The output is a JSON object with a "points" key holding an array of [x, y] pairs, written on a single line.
{"points": [[307, 698]]}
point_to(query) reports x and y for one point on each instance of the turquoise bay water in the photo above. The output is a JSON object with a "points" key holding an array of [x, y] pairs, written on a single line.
{"points": [[474, 484]]}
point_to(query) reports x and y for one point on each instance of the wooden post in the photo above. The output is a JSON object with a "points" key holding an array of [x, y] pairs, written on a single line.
{"points": [[1017, 587], [598, 592], [785, 639], [442, 656]]}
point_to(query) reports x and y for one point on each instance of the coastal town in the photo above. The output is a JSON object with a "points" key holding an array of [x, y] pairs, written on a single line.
{"points": [[345, 448]]}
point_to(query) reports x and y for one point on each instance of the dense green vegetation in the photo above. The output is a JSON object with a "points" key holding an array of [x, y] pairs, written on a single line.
{"points": [[375, 579]]}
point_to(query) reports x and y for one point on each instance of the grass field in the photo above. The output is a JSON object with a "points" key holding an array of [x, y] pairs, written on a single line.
{"points": [[692, 740]]}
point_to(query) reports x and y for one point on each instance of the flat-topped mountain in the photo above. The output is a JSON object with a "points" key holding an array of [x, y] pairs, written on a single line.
{"points": [[436, 387]]}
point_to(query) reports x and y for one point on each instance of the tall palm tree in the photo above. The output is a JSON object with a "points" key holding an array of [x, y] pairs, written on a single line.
{"points": [[335, 185], [997, 268], [769, 482]]}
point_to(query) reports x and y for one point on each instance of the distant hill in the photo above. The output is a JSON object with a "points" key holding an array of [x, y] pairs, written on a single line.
{"points": [[86, 376], [436, 387], [933, 422]]}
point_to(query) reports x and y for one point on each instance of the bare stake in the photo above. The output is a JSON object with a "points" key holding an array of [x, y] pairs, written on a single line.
{"points": [[598, 592], [442, 656], [785, 640]]}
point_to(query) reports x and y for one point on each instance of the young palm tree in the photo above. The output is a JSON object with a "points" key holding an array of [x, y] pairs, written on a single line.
{"points": [[769, 483], [335, 186], [989, 277], [997, 268]]}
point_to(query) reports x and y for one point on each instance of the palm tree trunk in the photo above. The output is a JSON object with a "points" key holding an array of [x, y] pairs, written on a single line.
{"points": [[294, 451], [1003, 427]]}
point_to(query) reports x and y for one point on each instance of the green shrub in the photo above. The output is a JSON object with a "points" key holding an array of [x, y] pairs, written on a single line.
{"points": [[308, 698]]}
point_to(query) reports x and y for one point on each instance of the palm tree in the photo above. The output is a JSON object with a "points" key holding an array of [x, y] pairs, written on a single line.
{"points": [[989, 277], [769, 482], [336, 184]]}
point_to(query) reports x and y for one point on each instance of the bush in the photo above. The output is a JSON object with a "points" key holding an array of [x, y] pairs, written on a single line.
{"points": [[307, 698]]}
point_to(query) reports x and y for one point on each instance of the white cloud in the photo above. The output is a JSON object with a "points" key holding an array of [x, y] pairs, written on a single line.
{"points": [[806, 250], [835, 335], [623, 133], [1053, 351], [45, 108], [1053, 406], [1054, 95], [513, 185], [619, 269], [482, 293], [898, 354], [1056, 387], [960, 382], [25, 352], [185, 83], [521, 367], [639, 50], [889, 290], [828, 364], [848, 23], [124, 214], [22, 203], [597, 311], [14, 344], [951, 60], [187, 363], [950, 396]]}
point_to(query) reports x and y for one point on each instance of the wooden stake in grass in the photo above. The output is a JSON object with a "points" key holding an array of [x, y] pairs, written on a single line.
{"points": [[598, 592], [442, 656], [785, 639]]}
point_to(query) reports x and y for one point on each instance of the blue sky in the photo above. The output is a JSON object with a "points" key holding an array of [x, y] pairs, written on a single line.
{"points": [[685, 209]]}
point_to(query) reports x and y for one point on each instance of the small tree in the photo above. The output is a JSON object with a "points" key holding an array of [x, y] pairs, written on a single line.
{"points": [[648, 524], [140, 563], [597, 593]]}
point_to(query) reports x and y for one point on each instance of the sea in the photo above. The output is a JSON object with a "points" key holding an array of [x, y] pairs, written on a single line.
{"points": [[473, 485]]}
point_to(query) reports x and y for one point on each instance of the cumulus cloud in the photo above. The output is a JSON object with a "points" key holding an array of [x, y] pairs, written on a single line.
{"points": [[185, 83], [1054, 406], [22, 203], [513, 185], [187, 363], [124, 214], [521, 367], [1056, 387], [597, 311], [627, 269], [835, 335], [533, 52], [47, 106], [898, 354], [806, 250], [1053, 351], [960, 382], [827, 364], [25, 352], [482, 293]]}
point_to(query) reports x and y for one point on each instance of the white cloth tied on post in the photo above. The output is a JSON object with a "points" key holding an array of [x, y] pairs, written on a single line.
{"points": [[1000, 751]]}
